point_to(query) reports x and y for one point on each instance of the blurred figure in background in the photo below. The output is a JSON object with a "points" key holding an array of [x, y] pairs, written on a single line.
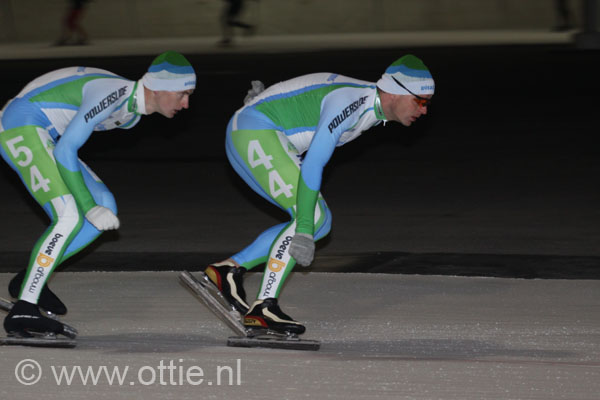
{"points": [[72, 31], [564, 16], [230, 19]]}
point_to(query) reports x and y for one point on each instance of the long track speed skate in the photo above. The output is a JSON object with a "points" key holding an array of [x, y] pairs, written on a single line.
{"points": [[247, 337], [39, 339]]}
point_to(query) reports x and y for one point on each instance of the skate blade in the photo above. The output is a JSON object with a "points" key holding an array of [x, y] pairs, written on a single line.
{"points": [[69, 331], [230, 317], [38, 340], [274, 341]]}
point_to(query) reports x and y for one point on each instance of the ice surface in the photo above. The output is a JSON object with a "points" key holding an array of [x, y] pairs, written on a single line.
{"points": [[384, 337]]}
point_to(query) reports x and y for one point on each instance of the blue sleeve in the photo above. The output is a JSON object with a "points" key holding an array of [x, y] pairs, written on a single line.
{"points": [[335, 119], [98, 102]]}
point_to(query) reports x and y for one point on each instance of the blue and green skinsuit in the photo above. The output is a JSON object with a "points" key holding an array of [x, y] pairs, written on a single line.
{"points": [[41, 131], [311, 114]]}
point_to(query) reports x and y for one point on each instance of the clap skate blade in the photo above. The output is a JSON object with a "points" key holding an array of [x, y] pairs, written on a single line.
{"points": [[274, 340], [214, 300], [247, 337], [37, 340]]}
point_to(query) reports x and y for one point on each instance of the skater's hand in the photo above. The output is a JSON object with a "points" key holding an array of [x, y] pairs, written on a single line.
{"points": [[102, 218], [257, 88], [302, 248]]}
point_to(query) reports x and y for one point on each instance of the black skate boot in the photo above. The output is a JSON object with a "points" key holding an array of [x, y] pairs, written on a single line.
{"points": [[48, 300], [25, 320], [266, 314], [229, 281]]}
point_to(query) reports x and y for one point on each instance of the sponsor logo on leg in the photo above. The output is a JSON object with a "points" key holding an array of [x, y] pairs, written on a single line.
{"points": [[276, 265], [43, 261]]}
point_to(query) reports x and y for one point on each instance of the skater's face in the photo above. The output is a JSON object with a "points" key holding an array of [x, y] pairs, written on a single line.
{"points": [[406, 109], [169, 103]]}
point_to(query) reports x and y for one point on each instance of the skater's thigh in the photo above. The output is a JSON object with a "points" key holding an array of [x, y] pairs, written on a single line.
{"points": [[28, 150], [268, 163]]}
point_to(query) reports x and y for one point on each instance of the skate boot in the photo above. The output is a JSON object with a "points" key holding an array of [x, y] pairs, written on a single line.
{"points": [[48, 300], [25, 320], [266, 314], [229, 281]]}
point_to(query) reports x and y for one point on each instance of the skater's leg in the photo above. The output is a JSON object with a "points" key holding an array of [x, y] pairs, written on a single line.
{"points": [[257, 252], [270, 165], [280, 263], [28, 150], [87, 234]]}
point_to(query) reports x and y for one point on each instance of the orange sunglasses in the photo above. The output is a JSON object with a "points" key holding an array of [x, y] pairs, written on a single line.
{"points": [[421, 101]]}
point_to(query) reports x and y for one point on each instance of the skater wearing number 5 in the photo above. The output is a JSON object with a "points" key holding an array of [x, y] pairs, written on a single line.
{"points": [[41, 131], [279, 143]]}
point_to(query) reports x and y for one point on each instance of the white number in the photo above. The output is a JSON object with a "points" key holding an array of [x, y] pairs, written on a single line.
{"points": [[276, 184], [37, 180], [254, 147], [275, 178], [18, 150]]}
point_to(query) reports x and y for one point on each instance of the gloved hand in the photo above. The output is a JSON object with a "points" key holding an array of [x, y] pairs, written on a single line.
{"points": [[302, 248], [257, 88], [102, 218]]}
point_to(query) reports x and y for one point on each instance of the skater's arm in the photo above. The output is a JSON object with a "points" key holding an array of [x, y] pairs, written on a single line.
{"points": [[67, 160], [309, 182], [95, 107], [336, 117]]}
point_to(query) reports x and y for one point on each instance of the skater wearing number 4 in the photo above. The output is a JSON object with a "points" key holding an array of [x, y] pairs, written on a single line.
{"points": [[279, 143], [41, 131]]}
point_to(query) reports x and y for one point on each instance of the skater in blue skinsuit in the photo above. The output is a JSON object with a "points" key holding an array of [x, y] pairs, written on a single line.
{"points": [[279, 142], [41, 131]]}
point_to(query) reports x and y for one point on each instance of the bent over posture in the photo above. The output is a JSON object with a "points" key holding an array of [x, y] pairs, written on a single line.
{"points": [[41, 131], [310, 115]]}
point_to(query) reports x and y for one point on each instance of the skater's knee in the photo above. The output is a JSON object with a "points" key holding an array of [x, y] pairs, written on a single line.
{"points": [[68, 217]]}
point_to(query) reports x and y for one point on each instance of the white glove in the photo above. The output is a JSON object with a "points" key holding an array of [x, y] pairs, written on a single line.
{"points": [[102, 218], [302, 248], [257, 88]]}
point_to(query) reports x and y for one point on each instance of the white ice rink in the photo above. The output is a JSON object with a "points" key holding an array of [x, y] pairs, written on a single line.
{"points": [[383, 337]]}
